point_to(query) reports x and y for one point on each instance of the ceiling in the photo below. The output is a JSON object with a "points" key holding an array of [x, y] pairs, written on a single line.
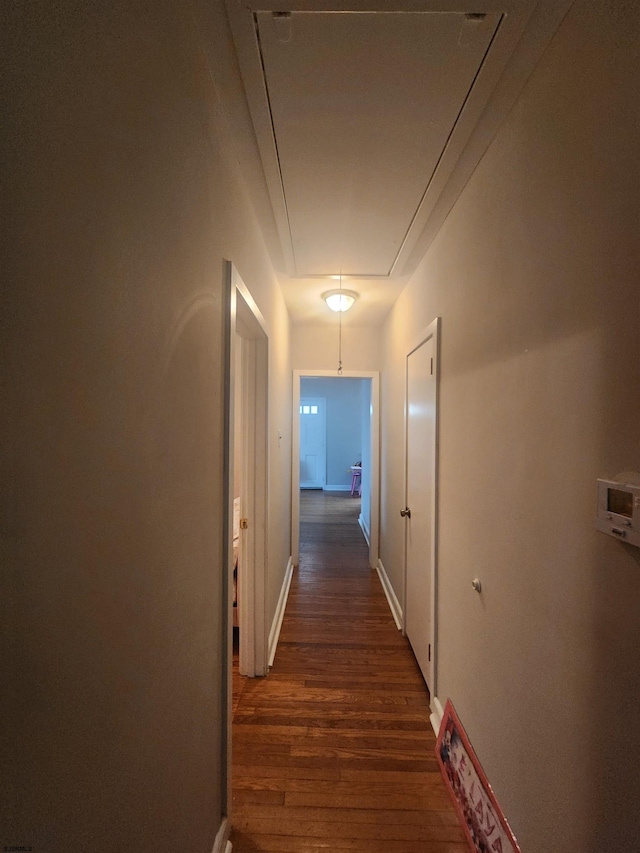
{"points": [[369, 117]]}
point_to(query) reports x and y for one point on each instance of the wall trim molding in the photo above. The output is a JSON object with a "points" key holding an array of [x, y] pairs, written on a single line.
{"points": [[364, 528], [274, 633], [336, 488], [394, 604], [437, 713], [222, 843]]}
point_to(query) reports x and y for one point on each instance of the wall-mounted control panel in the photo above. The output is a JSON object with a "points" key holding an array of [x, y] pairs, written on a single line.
{"points": [[619, 510]]}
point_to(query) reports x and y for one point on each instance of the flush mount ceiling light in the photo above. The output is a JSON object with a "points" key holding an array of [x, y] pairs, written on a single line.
{"points": [[340, 300]]}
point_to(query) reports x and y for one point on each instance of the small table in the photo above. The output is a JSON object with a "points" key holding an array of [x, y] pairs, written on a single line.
{"points": [[356, 480]]}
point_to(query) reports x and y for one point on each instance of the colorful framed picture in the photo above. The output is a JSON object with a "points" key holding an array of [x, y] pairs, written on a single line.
{"points": [[482, 818]]}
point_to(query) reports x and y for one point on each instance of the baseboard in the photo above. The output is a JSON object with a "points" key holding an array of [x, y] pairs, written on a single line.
{"points": [[274, 633], [222, 843], [364, 528], [336, 488], [394, 604], [436, 714]]}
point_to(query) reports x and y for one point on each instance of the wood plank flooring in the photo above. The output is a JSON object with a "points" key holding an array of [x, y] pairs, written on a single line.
{"points": [[334, 749]]}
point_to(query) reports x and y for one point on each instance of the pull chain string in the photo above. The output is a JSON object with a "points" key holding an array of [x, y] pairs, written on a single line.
{"points": [[340, 328]]}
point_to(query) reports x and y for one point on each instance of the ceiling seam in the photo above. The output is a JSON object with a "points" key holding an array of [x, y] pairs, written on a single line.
{"points": [[446, 145], [275, 138]]}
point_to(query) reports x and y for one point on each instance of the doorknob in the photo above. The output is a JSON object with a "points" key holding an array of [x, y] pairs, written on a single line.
{"points": [[406, 512]]}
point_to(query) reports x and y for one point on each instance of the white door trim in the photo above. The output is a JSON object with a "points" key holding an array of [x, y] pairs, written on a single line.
{"points": [[432, 331], [374, 376], [248, 322]]}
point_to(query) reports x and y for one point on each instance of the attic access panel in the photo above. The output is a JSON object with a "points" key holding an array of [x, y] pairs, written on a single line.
{"points": [[362, 107]]}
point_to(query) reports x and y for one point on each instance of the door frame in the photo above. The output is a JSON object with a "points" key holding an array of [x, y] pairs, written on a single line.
{"points": [[432, 331], [245, 319], [374, 533]]}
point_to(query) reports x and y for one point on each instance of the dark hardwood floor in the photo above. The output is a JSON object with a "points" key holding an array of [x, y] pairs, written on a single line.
{"points": [[334, 749]]}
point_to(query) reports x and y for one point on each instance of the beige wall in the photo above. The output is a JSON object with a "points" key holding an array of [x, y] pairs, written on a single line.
{"points": [[125, 199], [535, 276], [315, 347]]}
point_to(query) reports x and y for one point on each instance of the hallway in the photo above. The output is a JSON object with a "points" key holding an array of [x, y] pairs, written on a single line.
{"points": [[334, 748]]}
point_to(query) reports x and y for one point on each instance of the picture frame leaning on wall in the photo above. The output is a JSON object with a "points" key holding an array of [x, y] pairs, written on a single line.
{"points": [[484, 823]]}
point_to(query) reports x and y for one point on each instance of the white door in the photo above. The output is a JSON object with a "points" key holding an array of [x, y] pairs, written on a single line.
{"points": [[313, 443], [419, 511]]}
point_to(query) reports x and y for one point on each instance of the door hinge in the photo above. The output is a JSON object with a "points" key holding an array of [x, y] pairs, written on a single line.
{"points": [[429, 651], [244, 523], [432, 367]]}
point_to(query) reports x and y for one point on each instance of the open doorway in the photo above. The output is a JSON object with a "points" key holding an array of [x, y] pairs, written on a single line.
{"points": [[248, 350], [335, 426], [336, 449]]}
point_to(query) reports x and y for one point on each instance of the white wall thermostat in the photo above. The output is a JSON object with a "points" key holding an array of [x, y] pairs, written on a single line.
{"points": [[619, 510]]}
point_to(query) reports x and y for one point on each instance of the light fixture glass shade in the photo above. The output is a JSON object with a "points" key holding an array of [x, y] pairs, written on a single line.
{"points": [[340, 300]]}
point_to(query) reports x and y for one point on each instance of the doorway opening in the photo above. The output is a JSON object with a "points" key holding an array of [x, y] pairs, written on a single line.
{"points": [[336, 450], [247, 475]]}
